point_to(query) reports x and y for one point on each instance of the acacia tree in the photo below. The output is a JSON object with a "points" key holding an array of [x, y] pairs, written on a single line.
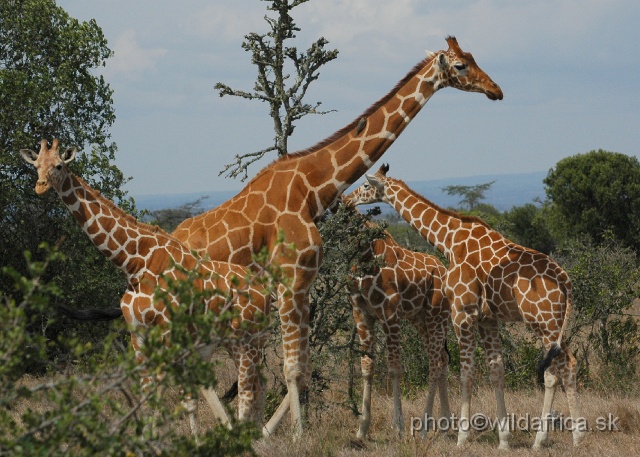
{"points": [[49, 87], [274, 85], [471, 196]]}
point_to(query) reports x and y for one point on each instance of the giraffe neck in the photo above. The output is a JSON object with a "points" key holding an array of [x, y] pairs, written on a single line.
{"points": [[118, 235], [344, 157], [437, 225]]}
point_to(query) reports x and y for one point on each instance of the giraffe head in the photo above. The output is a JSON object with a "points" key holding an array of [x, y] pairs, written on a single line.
{"points": [[458, 69], [49, 163], [371, 191]]}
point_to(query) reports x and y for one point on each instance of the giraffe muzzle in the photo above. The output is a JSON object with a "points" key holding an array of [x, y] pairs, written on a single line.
{"points": [[41, 187]]}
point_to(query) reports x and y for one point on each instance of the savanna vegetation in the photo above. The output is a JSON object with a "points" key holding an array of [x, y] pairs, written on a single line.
{"points": [[68, 387]]}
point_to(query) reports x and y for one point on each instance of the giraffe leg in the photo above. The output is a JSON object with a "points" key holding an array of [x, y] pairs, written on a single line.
{"points": [[569, 370], [489, 332], [260, 387], [299, 372], [443, 392], [464, 325], [261, 398], [364, 325], [209, 394], [563, 368], [550, 386], [394, 362], [294, 318], [247, 381], [434, 340], [147, 382], [273, 422]]}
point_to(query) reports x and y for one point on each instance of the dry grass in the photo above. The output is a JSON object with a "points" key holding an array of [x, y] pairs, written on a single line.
{"points": [[333, 433], [330, 431]]}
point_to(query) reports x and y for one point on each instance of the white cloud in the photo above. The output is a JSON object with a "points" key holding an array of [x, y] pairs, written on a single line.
{"points": [[130, 60], [554, 59], [225, 22]]}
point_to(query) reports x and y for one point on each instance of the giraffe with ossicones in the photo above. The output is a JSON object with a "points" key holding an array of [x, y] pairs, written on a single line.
{"points": [[290, 195], [491, 279], [407, 285], [148, 256]]}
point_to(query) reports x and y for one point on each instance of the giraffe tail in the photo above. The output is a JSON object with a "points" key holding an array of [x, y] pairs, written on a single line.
{"points": [[93, 314], [556, 349], [231, 393]]}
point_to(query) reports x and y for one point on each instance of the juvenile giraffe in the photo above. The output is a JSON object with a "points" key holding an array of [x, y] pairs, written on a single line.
{"points": [[291, 194], [409, 285], [491, 279], [145, 254]]}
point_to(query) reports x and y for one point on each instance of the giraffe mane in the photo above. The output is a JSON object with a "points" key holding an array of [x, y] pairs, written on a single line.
{"points": [[448, 212], [330, 139], [155, 229]]}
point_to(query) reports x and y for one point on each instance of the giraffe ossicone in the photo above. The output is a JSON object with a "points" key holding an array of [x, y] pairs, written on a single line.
{"points": [[491, 280], [148, 256], [291, 194]]}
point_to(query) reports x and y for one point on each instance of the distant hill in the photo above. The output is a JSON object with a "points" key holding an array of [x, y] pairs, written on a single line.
{"points": [[508, 190]]}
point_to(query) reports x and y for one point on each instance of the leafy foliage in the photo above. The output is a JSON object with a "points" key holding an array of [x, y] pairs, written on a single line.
{"points": [[527, 226], [596, 193], [100, 407], [49, 87], [605, 281]]}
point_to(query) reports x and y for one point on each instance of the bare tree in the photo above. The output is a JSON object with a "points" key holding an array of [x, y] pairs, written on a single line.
{"points": [[274, 85]]}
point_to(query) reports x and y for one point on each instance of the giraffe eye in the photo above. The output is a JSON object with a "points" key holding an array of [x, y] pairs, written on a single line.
{"points": [[59, 167], [460, 66]]}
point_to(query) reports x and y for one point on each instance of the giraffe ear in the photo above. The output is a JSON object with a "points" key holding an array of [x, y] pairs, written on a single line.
{"points": [[29, 156], [374, 181], [68, 155], [443, 61], [430, 54]]}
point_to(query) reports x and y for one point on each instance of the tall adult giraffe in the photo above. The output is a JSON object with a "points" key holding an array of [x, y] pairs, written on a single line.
{"points": [[408, 285], [145, 254], [292, 193], [491, 279]]}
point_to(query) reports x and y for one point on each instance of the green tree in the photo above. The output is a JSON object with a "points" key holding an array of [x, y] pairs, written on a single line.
{"points": [[595, 194], [49, 87], [471, 196], [527, 226], [274, 60]]}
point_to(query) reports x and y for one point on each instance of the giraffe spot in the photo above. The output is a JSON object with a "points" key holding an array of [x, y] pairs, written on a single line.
{"points": [[94, 208], [107, 223], [131, 247], [99, 239], [120, 233]]}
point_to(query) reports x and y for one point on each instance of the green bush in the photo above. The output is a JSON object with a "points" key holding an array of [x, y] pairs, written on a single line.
{"points": [[605, 281], [99, 407]]}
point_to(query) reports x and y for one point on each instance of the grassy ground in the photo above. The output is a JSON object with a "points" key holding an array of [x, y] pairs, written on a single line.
{"points": [[331, 427], [331, 430]]}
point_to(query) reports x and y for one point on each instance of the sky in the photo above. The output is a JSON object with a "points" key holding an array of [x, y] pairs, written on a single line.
{"points": [[569, 71]]}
